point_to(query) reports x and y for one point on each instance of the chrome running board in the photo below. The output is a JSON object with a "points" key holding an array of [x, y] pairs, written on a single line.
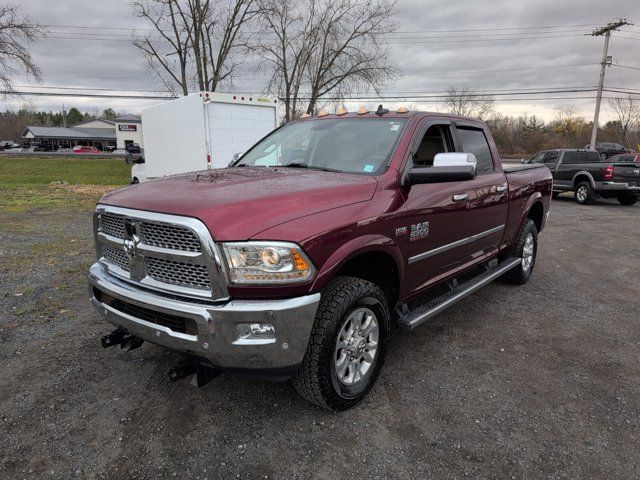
{"points": [[417, 317]]}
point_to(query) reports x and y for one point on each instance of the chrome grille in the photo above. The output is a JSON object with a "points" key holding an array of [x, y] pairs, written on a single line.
{"points": [[178, 273], [116, 257], [186, 265], [169, 236], [112, 225]]}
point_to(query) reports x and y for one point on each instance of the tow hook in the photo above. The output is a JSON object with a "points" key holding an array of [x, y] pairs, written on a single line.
{"points": [[203, 373], [123, 338]]}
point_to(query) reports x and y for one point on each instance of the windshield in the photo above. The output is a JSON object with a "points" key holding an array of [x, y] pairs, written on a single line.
{"points": [[345, 145]]}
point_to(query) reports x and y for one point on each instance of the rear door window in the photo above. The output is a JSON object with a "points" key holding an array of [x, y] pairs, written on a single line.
{"points": [[474, 141], [570, 157]]}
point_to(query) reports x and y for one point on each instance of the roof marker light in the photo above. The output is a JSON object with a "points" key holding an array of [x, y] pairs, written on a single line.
{"points": [[342, 111], [363, 110], [402, 110], [323, 113], [305, 115]]}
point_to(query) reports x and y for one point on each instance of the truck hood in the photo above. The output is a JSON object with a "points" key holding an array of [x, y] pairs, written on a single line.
{"points": [[238, 203]]}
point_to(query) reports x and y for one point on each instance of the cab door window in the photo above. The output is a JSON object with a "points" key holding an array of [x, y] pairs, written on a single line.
{"points": [[437, 139], [550, 159]]}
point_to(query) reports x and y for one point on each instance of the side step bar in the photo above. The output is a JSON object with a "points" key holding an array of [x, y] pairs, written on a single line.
{"points": [[425, 312]]}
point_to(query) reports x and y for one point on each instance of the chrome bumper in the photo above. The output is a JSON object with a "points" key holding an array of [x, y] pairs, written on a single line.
{"points": [[217, 337], [619, 186]]}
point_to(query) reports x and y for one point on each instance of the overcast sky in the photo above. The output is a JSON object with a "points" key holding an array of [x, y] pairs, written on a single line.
{"points": [[435, 43]]}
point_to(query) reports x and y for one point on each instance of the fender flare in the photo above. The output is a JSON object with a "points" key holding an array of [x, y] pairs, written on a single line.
{"points": [[586, 174], [353, 248], [533, 199]]}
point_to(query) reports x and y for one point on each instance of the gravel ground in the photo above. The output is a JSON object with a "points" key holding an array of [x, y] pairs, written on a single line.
{"points": [[540, 381]]}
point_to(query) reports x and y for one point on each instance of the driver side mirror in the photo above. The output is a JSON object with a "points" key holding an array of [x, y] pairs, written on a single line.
{"points": [[447, 167], [236, 157]]}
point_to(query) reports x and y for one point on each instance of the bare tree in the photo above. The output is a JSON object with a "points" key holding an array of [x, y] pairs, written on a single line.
{"points": [[627, 115], [321, 47], [16, 33], [193, 40], [469, 103]]}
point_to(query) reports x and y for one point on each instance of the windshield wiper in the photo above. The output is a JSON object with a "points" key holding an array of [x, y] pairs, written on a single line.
{"points": [[311, 167]]}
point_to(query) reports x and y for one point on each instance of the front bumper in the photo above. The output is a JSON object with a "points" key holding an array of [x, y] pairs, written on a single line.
{"points": [[215, 337]]}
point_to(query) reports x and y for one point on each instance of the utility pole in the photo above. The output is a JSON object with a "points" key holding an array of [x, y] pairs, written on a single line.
{"points": [[606, 61]]}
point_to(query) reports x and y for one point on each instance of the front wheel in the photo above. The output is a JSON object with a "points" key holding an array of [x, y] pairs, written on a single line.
{"points": [[627, 200], [526, 248], [347, 345]]}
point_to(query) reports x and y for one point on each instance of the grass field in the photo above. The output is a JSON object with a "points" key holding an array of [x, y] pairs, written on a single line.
{"points": [[31, 183]]}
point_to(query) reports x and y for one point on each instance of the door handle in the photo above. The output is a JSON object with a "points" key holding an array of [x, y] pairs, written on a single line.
{"points": [[502, 188], [459, 197]]}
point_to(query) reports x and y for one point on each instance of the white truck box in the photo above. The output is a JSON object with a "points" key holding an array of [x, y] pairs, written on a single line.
{"points": [[202, 131]]}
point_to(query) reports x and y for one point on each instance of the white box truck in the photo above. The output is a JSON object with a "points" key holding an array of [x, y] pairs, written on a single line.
{"points": [[201, 131]]}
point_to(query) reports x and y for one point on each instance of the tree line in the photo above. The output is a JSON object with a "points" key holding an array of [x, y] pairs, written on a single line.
{"points": [[14, 122]]}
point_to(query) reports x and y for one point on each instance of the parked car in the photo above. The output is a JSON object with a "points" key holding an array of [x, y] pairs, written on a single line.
{"points": [[631, 157], [584, 173], [7, 144], [606, 150], [299, 259], [133, 148], [82, 149]]}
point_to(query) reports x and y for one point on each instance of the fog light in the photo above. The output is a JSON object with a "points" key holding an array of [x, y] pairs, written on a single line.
{"points": [[256, 330]]}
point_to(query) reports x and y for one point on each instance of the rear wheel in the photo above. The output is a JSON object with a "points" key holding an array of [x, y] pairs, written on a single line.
{"points": [[584, 193], [526, 248], [347, 345], [626, 199]]}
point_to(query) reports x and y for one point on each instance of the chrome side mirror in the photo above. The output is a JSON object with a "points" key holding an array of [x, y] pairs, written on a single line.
{"points": [[455, 160], [447, 167]]}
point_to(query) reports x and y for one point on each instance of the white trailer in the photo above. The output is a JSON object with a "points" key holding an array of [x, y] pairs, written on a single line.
{"points": [[201, 131]]}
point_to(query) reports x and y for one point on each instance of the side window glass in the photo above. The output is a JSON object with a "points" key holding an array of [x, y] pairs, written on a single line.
{"points": [[474, 141], [437, 139], [551, 158], [570, 157], [538, 158]]}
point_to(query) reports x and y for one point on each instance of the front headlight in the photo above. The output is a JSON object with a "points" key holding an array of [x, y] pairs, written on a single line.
{"points": [[267, 262]]}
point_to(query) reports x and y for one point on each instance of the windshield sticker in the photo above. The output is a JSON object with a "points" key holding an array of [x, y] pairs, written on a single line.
{"points": [[395, 127], [368, 168]]}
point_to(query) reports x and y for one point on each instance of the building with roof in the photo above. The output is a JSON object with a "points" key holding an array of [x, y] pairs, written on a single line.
{"points": [[100, 133], [128, 131]]}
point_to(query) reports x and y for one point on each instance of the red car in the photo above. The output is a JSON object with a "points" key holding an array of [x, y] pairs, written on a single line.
{"points": [[81, 149]]}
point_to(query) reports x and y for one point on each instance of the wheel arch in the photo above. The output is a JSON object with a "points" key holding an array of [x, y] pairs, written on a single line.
{"points": [[581, 177], [374, 258]]}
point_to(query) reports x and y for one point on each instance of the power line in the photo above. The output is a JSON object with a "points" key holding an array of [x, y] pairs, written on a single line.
{"points": [[434, 28], [460, 72], [626, 66]]}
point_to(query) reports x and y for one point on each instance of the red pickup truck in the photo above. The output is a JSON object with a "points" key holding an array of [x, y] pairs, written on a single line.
{"points": [[298, 259]]}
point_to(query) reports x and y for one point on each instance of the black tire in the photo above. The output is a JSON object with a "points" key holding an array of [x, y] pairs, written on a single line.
{"points": [[520, 274], [316, 379], [555, 194], [584, 193], [627, 200], [135, 181]]}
